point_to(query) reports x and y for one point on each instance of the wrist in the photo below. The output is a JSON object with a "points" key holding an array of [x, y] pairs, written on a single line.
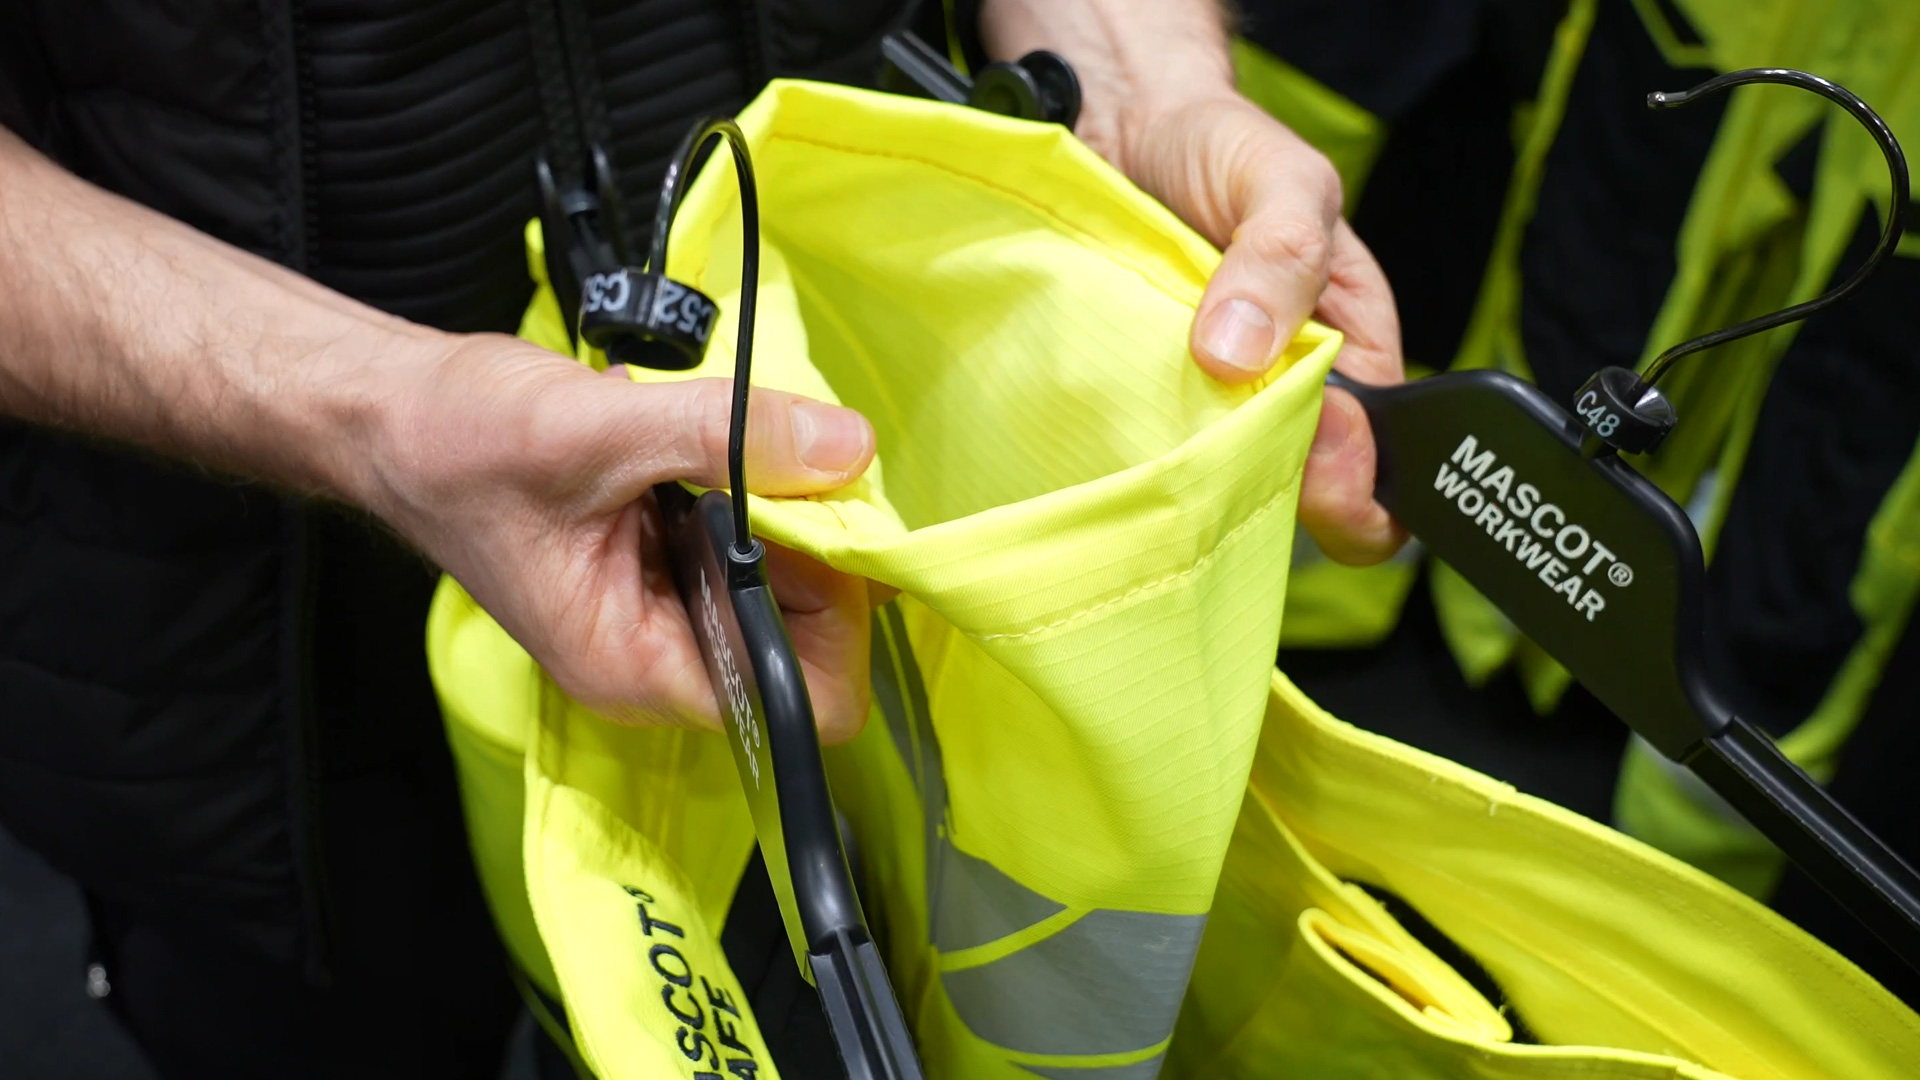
{"points": [[363, 391]]}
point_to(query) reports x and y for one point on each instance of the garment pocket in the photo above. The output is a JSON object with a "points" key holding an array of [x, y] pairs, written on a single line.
{"points": [[1305, 975], [1349, 1004]]}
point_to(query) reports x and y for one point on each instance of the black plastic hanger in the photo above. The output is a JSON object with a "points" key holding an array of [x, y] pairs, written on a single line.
{"points": [[1534, 507], [640, 315]]}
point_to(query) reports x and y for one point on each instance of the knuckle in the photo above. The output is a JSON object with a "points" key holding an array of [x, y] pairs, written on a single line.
{"points": [[1301, 246], [1325, 179], [547, 435], [705, 413]]}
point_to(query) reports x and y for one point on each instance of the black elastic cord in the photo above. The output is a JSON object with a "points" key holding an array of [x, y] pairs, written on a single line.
{"points": [[1896, 210], [671, 188]]}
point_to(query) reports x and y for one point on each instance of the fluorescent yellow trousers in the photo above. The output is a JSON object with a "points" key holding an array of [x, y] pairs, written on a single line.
{"points": [[1067, 867]]}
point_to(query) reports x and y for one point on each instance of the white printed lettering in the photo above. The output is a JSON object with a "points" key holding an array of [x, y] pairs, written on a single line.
{"points": [[1533, 553], [1591, 604], [1559, 520], [1501, 480], [1518, 517], [1449, 482], [1524, 498], [1600, 552], [1470, 462], [1560, 541]]}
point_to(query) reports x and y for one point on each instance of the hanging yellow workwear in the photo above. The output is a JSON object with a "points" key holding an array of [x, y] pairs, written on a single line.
{"points": [[1563, 949], [1090, 536], [1091, 541]]}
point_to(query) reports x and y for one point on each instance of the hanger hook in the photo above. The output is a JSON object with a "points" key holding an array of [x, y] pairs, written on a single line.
{"points": [[1896, 210]]}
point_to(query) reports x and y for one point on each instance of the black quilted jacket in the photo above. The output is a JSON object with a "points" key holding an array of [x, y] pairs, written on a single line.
{"points": [[188, 663]]}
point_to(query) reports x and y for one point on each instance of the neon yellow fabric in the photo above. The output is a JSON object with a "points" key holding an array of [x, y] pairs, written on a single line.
{"points": [[1090, 534], [1091, 540], [1622, 962]]}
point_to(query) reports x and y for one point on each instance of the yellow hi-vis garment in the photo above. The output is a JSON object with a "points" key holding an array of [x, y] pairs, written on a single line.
{"points": [[1091, 541]]}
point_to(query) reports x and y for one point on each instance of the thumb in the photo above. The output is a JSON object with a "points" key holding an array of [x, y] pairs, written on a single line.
{"points": [[794, 445], [1277, 264]]}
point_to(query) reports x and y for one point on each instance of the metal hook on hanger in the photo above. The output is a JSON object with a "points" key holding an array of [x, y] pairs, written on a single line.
{"points": [[1889, 239]]}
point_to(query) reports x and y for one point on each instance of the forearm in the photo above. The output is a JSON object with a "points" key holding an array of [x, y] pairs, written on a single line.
{"points": [[1134, 58], [122, 323]]}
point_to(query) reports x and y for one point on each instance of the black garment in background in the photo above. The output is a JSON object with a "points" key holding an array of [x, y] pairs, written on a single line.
{"points": [[419, 986], [1444, 78], [1838, 424], [1410, 689], [1598, 254], [1876, 783], [1840, 421]]}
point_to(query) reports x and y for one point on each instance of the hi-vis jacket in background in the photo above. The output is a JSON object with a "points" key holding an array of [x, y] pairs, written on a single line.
{"points": [[1623, 232], [1100, 837]]}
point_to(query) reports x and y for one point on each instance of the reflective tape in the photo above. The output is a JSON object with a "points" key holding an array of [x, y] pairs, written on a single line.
{"points": [[978, 904], [1109, 982]]}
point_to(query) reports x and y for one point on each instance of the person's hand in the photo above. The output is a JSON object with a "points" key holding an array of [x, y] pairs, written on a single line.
{"points": [[1159, 103], [524, 474], [527, 477], [1272, 202]]}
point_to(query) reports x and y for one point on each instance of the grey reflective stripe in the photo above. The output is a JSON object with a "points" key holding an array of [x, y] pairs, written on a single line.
{"points": [[1110, 982], [903, 698], [1139, 1070], [891, 699], [978, 904]]}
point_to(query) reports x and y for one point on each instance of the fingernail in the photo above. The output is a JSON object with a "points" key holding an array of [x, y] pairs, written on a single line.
{"points": [[828, 438], [1336, 425], [1239, 335]]}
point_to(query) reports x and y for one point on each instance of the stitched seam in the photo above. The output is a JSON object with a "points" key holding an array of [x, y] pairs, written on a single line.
{"points": [[1088, 239], [1160, 583]]}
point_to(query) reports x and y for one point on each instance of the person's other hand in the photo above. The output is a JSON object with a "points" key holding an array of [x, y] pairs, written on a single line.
{"points": [[1272, 202], [527, 477], [1160, 104]]}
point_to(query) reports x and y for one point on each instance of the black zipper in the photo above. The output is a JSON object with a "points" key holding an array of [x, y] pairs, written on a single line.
{"points": [[299, 565], [753, 50], [309, 144]]}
